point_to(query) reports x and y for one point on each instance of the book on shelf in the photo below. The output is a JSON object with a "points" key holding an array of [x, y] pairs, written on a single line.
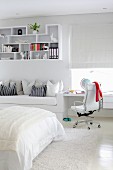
{"points": [[38, 47]]}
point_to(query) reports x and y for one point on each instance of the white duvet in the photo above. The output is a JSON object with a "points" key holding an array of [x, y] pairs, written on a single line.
{"points": [[24, 133]]}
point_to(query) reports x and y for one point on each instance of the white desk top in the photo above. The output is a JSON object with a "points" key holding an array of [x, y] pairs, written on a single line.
{"points": [[73, 94], [105, 94]]}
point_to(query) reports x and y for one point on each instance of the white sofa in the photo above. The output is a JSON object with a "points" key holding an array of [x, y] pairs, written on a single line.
{"points": [[55, 104], [53, 101]]}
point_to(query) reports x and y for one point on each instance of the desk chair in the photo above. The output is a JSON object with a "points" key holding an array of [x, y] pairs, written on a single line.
{"points": [[89, 105]]}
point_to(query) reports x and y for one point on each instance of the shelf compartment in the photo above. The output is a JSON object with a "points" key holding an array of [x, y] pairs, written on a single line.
{"points": [[22, 39], [24, 47], [43, 38], [52, 30], [2, 41], [16, 29], [6, 56], [39, 46], [5, 31], [39, 54], [53, 51], [15, 48]]}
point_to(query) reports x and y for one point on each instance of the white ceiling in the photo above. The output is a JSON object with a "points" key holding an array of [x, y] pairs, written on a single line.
{"points": [[30, 8]]}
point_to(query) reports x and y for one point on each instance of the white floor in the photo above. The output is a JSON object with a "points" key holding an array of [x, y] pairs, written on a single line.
{"points": [[104, 153]]}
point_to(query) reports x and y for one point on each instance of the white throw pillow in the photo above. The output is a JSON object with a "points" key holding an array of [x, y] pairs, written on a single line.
{"points": [[52, 89], [5, 83], [61, 86], [38, 83], [27, 86]]}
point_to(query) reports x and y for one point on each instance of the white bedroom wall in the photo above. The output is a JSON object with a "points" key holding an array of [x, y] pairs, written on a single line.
{"points": [[48, 69]]}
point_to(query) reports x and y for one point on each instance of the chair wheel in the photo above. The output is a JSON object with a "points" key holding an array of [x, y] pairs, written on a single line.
{"points": [[99, 126], [88, 128], [91, 123], [74, 126], [76, 123]]}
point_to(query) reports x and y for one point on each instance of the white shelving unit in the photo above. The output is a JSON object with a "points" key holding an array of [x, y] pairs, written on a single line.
{"points": [[47, 45]]}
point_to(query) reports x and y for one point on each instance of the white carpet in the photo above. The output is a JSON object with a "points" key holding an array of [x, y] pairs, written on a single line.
{"points": [[74, 153]]}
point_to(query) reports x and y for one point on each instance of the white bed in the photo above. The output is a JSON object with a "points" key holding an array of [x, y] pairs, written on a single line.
{"points": [[24, 133]]}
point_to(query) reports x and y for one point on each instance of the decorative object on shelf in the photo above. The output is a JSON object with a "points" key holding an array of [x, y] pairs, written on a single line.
{"points": [[14, 49], [3, 35], [38, 56], [22, 55], [45, 56], [25, 55], [45, 47], [7, 48], [35, 27], [53, 39], [19, 31], [21, 41]]}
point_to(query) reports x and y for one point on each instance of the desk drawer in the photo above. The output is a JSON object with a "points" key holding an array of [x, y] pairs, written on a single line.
{"points": [[107, 105], [108, 99]]}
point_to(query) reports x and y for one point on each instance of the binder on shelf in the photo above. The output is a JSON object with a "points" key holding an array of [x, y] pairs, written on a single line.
{"points": [[57, 52], [50, 53]]}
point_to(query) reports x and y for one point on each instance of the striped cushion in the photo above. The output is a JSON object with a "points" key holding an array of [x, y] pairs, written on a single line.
{"points": [[7, 90], [38, 91]]}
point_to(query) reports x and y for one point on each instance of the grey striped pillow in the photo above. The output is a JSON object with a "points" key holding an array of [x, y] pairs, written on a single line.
{"points": [[38, 91], [8, 91]]}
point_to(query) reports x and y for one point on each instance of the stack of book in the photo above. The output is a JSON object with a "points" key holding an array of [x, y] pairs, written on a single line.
{"points": [[38, 46]]}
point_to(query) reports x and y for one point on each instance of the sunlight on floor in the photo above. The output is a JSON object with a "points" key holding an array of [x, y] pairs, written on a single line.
{"points": [[103, 159]]}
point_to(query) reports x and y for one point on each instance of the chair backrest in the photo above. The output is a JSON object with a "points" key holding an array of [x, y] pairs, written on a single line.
{"points": [[90, 98]]}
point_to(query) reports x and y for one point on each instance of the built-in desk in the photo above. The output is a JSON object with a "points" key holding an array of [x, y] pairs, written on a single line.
{"points": [[107, 99]]}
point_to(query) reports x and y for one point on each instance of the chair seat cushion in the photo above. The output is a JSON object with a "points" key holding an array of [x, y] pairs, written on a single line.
{"points": [[25, 99], [80, 108]]}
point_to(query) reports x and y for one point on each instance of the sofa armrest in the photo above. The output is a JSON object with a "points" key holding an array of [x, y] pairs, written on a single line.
{"points": [[61, 102]]}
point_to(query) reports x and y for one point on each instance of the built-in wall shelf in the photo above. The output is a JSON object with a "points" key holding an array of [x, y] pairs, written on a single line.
{"points": [[17, 44]]}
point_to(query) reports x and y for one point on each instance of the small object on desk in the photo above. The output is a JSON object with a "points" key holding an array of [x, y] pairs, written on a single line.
{"points": [[72, 91], [67, 119], [79, 91], [66, 92]]}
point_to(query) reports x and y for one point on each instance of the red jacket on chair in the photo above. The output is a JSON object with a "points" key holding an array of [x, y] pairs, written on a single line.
{"points": [[98, 91]]}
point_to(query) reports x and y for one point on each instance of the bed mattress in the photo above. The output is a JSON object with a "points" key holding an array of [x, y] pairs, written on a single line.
{"points": [[24, 133]]}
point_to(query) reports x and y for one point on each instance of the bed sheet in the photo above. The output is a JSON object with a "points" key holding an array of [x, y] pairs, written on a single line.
{"points": [[31, 144]]}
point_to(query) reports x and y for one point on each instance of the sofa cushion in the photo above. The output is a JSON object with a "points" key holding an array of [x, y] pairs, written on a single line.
{"points": [[27, 86], [38, 83], [61, 86], [7, 90], [38, 91], [18, 86], [28, 100], [52, 89], [5, 83]]}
